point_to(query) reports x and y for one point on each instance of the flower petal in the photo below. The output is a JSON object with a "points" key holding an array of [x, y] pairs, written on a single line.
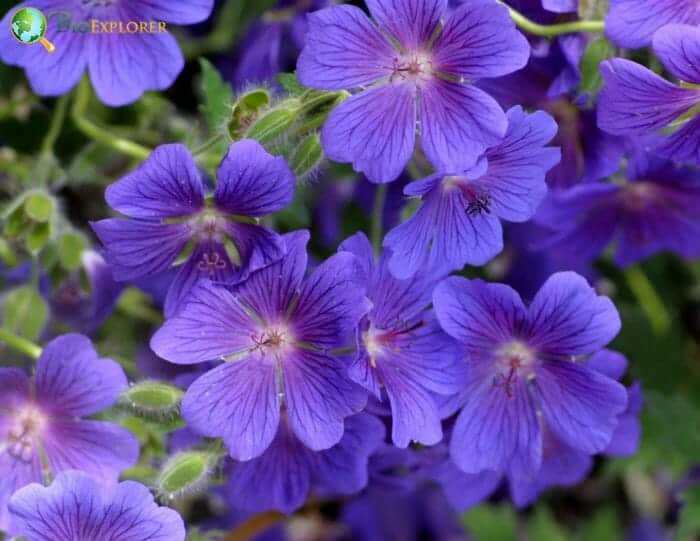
{"points": [[331, 303], [184, 12], [410, 22], [496, 431], [136, 248], [102, 450], [343, 50], [72, 381], [238, 402], [458, 122], [678, 48], [579, 404], [632, 23], [165, 185], [252, 182], [319, 396], [480, 40], [211, 324], [636, 101], [118, 79], [567, 317], [374, 130], [478, 314]]}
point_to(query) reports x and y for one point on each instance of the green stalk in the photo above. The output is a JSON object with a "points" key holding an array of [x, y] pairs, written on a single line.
{"points": [[20, 344], [553, 30]]}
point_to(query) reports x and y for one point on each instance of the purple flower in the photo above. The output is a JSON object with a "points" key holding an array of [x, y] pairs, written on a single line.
{"points": [[560, 6], [276, 331], [122, 66], [40, 418], [403, 353], [459, 220], [76, 507], [86, 310], [632, 23], [415, 71], [654, 211], [165, 200], [526, 377], [562, 465], [635, 101], [281, 478]]}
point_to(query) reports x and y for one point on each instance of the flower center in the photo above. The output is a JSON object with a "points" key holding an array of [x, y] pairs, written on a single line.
{"points": [[28, 425], [416, 67], [639, 195], [377, 341], [478, 199], [208, 226], [273, 339], [513, 360]]}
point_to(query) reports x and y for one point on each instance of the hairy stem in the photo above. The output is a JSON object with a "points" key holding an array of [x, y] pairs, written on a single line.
{"points": [[376, 228]]}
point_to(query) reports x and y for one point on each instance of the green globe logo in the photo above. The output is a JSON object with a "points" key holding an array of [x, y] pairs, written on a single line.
{"points": [[28, 25]]}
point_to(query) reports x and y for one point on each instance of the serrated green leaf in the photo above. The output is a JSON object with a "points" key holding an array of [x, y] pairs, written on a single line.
{"points": [[217, 95], [25, 312]]}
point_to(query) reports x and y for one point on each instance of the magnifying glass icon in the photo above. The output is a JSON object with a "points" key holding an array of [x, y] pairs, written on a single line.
{"points": [[28, 26]]}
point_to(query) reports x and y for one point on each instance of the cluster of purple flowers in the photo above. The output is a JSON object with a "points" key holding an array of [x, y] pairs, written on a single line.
{"points": [[319, 376]]}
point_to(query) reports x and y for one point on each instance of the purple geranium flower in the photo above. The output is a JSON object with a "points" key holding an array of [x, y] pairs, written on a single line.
{"points": [[526, 377], [402, 349], [655, 210], [165, 199], [459, 220], [76, 507], [122, 66], [562, 465], [560, 6], [636, 101], [632, 23], [417, 71], [40, 418], [276, 331], [281, 478]]}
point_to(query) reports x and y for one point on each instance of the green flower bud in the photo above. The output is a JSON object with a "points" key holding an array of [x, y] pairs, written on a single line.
{"points": [[184, 472], [307, 156], [153, 398], [245, 109], [274, 122], [70, 250], [38, 207]]}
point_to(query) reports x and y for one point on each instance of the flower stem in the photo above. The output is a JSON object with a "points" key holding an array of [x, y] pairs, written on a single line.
{"points": [[553, 30], [207, 145], [649, 300], [378, 217], [20, 344], [97, 133], [57, 119]]}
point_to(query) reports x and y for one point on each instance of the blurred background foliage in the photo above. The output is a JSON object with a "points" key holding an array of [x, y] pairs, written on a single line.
{"points": [[52, 179]]}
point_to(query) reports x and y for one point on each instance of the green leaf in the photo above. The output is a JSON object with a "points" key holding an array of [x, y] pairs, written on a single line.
{"points": [[495, 523], [217, 95], [602, 525], [70, 250], [597, 51], [290, 83], [25, 312], [663, 428], [38, 207]]}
